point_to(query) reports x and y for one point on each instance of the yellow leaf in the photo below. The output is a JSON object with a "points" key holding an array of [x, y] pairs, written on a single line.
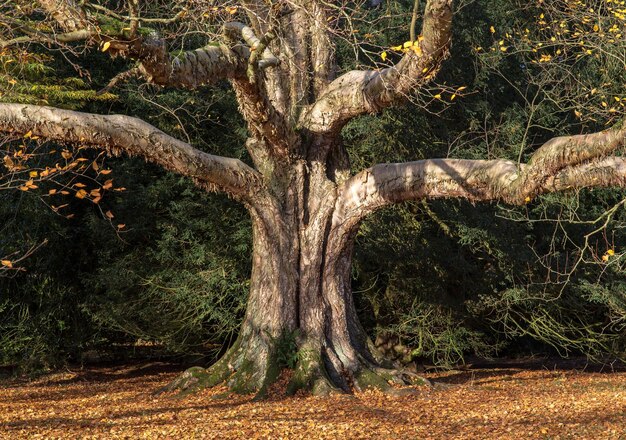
{"points": [[33, 174], [460, 89], [407, 44], [52, 192], [28, 134], [396, 48], [605, 258], [66, 154], [437, 96], [610, 252], [7, 263], [383, 56], [527, 199], [596, 28], [453, 97], [81, 193], [492, 29], [79, 185], [106, 45]]}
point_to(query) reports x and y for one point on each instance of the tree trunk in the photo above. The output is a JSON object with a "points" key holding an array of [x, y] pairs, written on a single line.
{"points": [[300, 309]]}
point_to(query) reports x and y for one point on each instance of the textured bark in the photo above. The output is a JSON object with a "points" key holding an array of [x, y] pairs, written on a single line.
{"points": [[119, 133], [67, 14], [369, 91], [305, 206]]}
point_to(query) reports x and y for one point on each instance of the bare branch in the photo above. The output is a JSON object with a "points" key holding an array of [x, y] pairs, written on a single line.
{"points": [[416, 5], [560, 164], [120, 133], [368, 91], [260, 56], [133, 11], [120, 77], [67, 13], [190, 69]]}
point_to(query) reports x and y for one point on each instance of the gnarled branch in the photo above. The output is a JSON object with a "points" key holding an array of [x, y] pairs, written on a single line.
{"points": [[562, 163], [261, 57], [368, 91], [120, 133], [189, 69]]}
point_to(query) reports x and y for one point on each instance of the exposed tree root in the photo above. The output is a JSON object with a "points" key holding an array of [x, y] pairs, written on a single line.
{"points": [[245, 374]]}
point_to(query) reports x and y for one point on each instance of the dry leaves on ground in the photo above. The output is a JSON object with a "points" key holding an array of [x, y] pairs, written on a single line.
{"points": [[115, 402]]}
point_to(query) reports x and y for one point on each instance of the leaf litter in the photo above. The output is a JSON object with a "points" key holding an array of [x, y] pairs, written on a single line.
{"points": [[498, 403]]}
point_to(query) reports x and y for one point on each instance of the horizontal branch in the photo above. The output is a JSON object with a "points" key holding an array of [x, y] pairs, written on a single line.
{"points": [[120, 133], [563, 163], [189, 69], [369, 91]]}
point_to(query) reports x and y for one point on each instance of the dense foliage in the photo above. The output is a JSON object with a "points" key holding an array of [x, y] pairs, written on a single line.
{"points": [[446, 278]]}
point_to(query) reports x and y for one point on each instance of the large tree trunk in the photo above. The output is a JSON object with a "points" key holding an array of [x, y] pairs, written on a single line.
{"points": [[300, 305]]}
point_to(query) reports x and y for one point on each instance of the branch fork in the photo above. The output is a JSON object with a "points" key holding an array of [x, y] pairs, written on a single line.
{"points": [[260, 56]]}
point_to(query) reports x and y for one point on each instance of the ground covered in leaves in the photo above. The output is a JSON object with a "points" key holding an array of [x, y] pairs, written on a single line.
{"points": [[511, 402]]}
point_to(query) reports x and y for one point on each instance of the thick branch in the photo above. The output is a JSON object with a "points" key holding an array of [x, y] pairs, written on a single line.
{"points": [[261, 56], [67, 13], [559, 153], [119, 133], [561, 163], [367, 91], [189, 69]]}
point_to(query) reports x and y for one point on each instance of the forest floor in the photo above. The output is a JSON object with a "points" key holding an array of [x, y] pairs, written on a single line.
{"points": [[509, 402]]}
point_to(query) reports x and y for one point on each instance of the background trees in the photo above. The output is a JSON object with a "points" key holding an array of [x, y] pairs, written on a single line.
{"points": [[460, 282]]}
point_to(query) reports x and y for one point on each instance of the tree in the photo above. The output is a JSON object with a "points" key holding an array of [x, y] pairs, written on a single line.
{"points": [[304, 202]]}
